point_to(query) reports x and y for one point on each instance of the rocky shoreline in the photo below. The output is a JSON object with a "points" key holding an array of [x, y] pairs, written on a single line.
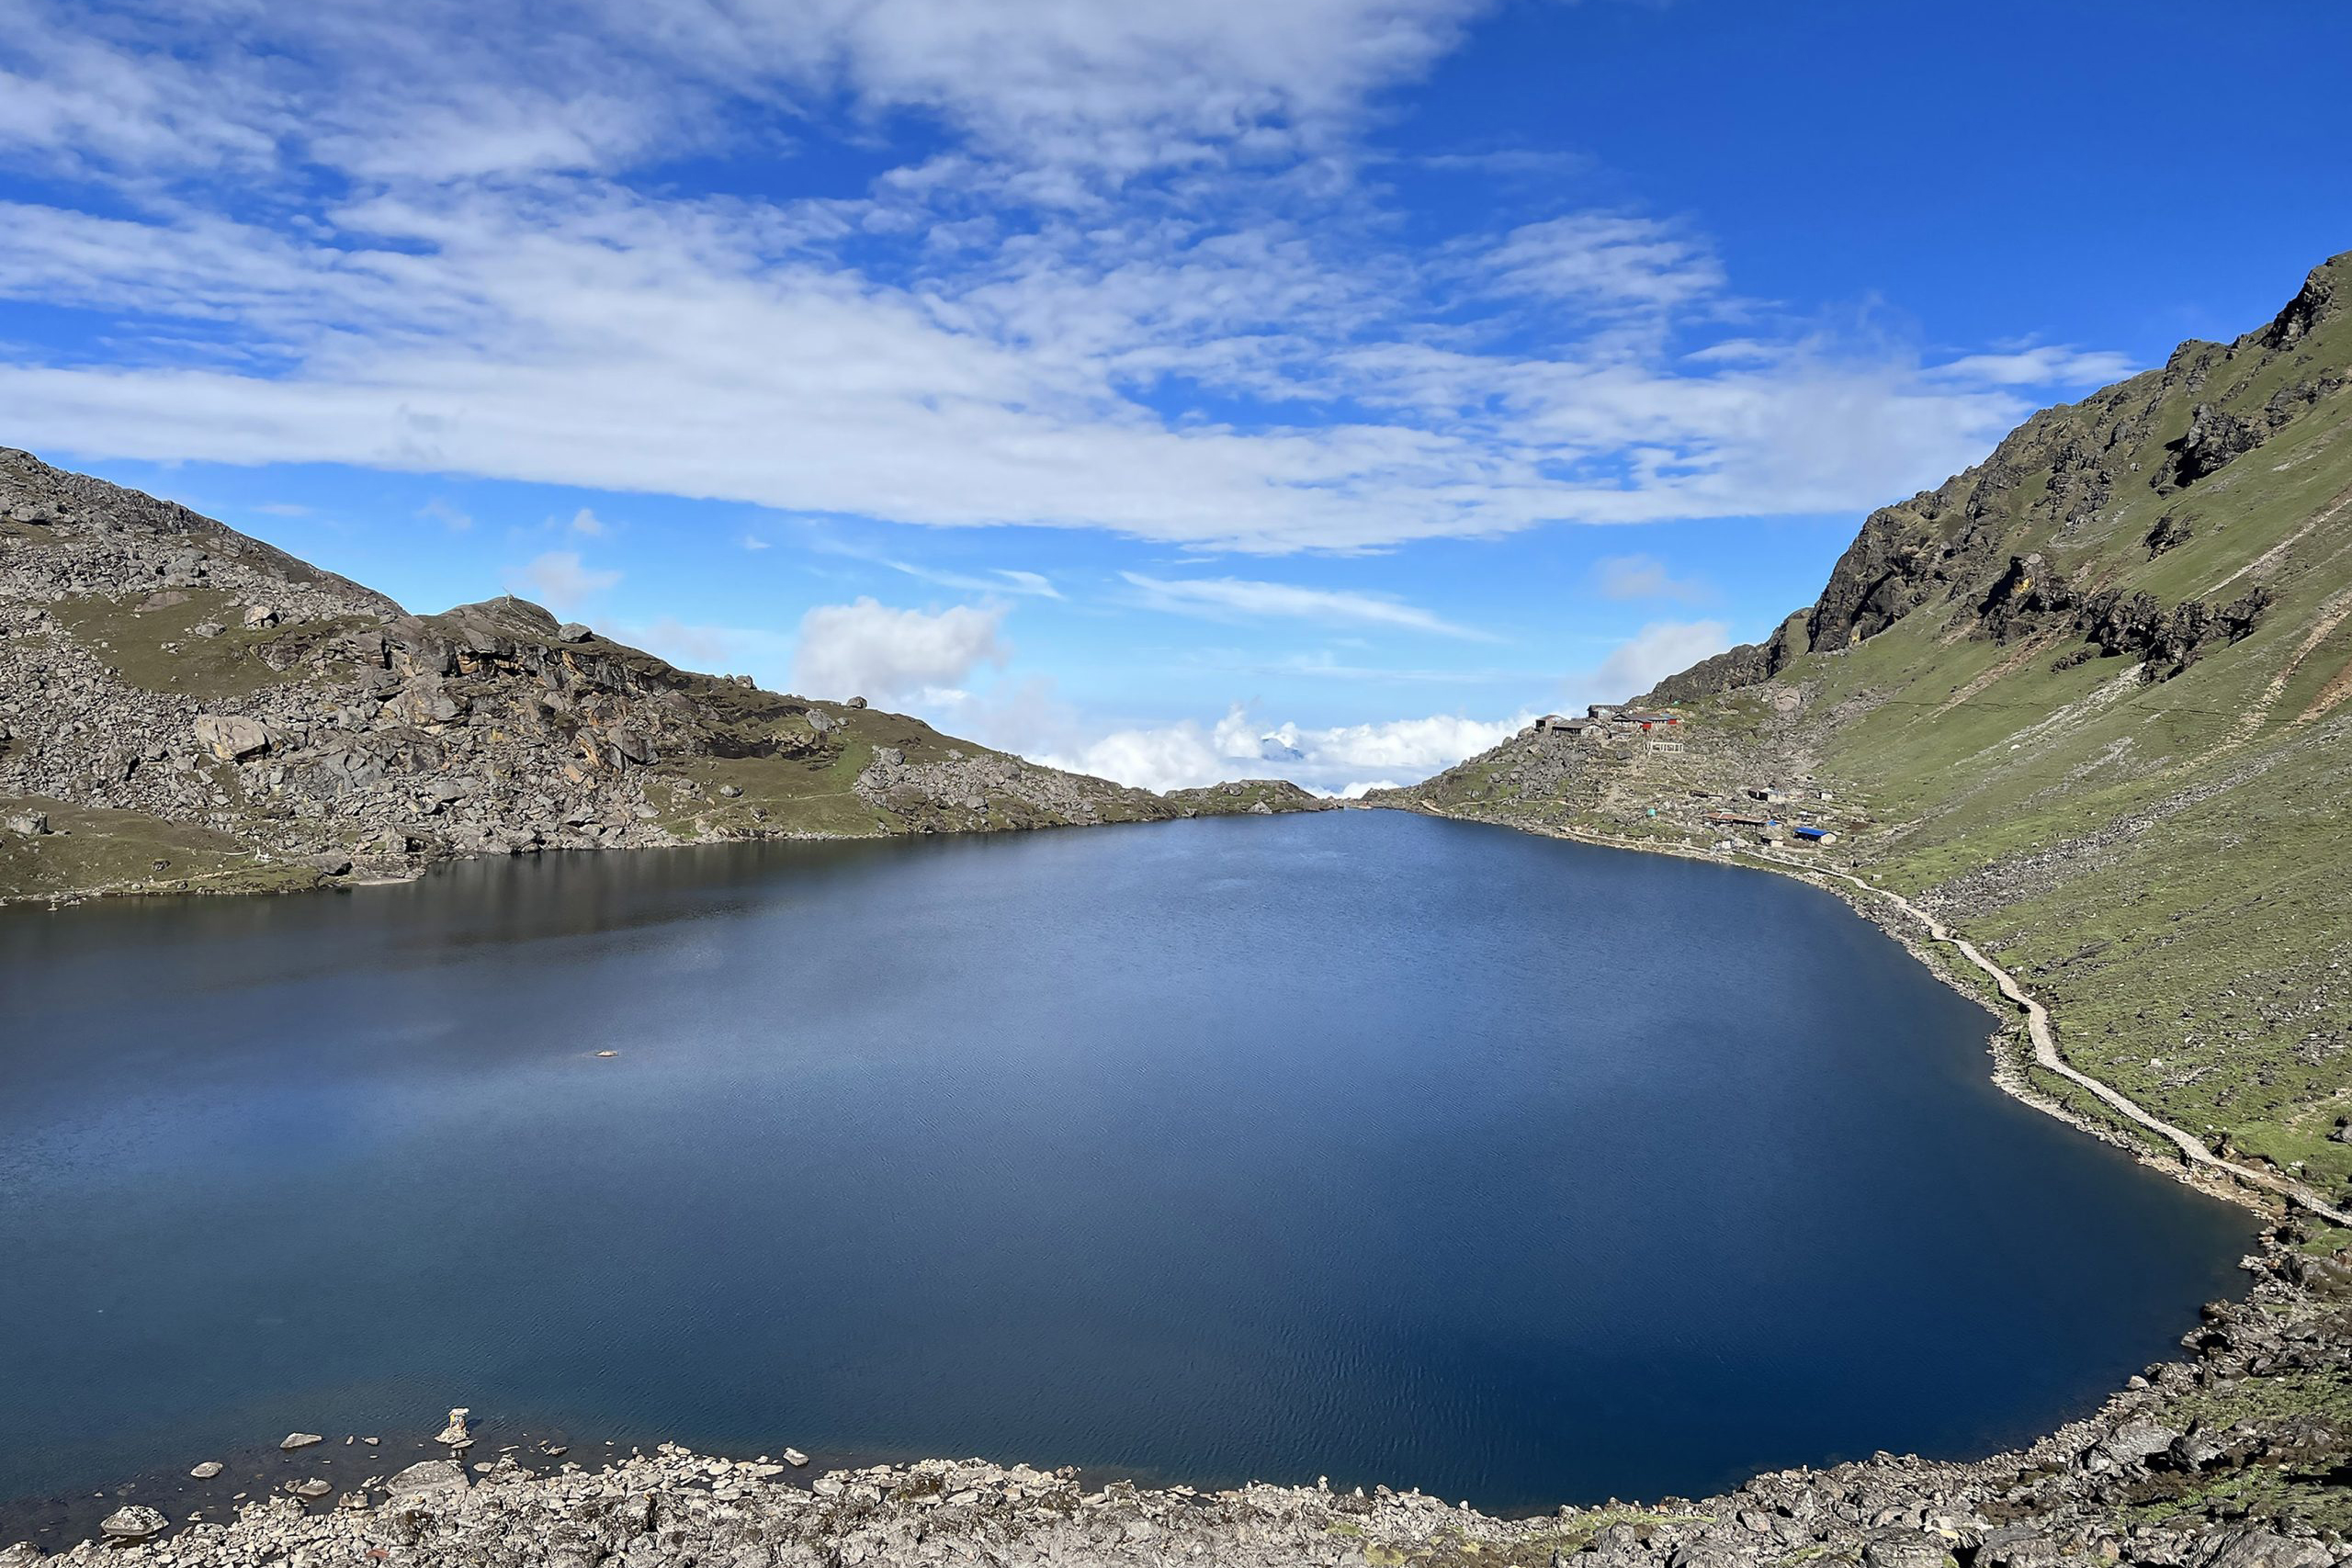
{"points": [[2231, 1458]]}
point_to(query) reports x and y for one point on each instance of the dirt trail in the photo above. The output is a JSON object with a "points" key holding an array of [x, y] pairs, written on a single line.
{"points": [[2045, 1054]]}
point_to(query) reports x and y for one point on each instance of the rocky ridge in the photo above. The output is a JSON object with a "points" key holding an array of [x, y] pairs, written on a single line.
{"points": [[2057, 476], [185, 708]]}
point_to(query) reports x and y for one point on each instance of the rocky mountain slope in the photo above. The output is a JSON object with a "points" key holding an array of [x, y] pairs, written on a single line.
{"points": [[2087, 701], [183, 707]]}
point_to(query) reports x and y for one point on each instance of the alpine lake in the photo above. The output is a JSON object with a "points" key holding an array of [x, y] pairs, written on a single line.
{"points": [[1357, 1143]]}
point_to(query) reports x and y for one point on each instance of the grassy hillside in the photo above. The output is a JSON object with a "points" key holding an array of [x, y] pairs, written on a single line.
{"points": [[2088, 700]]}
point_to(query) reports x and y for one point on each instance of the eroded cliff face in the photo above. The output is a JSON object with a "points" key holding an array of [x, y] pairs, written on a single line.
{"points": [[183, 707], [2160, 436]]}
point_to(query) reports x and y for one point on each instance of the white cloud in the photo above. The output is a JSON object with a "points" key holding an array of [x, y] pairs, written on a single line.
{"points": [[449, 516], [1034, 583], [753, 542], [1176, 756], [1658, 649], [447, 90], [995, 580], [2050, 366], [1646, 577], [1418, 747], [1188, 754], [558, 580], [1147, 207], [1607, 259], [866, 649], [587, 523], [1227, 598]]}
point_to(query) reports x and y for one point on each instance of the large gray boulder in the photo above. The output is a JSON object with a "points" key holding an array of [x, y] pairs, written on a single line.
{"points": [[231, 737], [136, 1522], [2251, 1546], [427, 1480], [1900, 1548]]}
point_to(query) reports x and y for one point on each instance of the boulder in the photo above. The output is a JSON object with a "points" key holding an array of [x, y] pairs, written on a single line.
{"points": [[299, 1441], [426, 1480], [2018, 1545], [208, 628], [1899, 1547], [30, 824], [2251, 1546], [573, 631], [136, 1522], [310, 1491], [454, 1433], [855, 702], [2193, 1451], [795, 1458], [2136, 1441], [208, 1470], [259, 615], [231, 738]]}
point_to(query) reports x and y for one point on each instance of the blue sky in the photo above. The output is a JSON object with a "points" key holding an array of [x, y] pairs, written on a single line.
{"points": [[1128, 384]]}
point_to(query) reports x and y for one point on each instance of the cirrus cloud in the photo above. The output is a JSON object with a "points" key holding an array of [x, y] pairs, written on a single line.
{"points": [[1130, 287], [1241, 599]]}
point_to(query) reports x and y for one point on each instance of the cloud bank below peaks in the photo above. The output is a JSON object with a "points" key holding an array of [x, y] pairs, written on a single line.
{"points": [[1337, 761]]}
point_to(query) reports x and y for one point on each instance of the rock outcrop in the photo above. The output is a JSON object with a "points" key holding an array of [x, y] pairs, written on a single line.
{"points": [[2046, 492]]}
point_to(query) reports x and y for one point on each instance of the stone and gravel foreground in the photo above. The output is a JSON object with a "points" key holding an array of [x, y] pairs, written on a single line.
{"points": [[2236, 1457]]}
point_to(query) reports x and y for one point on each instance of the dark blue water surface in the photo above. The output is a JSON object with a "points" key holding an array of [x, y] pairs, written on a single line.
{"points": [[1360, 1144]]}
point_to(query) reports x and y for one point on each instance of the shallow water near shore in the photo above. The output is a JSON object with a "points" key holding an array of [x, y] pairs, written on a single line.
{"points": [[1359, 1144]]}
